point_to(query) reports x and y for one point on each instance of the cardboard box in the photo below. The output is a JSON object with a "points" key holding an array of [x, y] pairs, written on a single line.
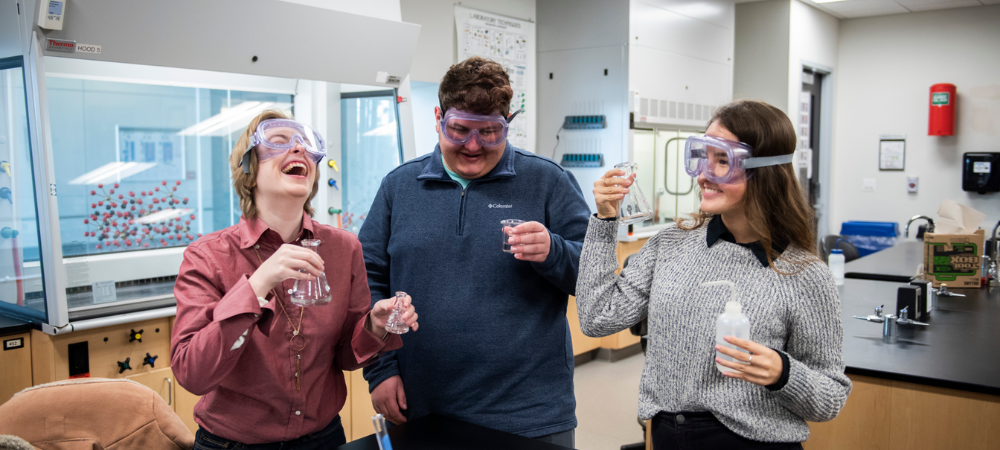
{"points": [[954, 259]]}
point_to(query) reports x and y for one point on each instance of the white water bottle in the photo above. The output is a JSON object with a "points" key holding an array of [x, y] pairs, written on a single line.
{"points": [[836, 262], [732, 322]]}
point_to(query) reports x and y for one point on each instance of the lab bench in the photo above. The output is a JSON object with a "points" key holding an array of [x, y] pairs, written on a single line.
{"points": [[936, 386]]}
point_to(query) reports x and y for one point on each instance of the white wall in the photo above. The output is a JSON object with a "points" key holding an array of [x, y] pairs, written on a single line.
{"points": [[886, 68], [436, 48], [813, 36], [760, 69]]}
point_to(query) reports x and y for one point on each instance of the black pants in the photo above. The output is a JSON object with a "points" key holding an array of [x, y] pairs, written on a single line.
{"points": [[329, 437], [701, 430]]}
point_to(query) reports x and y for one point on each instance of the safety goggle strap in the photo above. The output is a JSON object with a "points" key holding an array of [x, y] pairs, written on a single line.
{"points": [[764, 161], [512, 116], [245, 160]]}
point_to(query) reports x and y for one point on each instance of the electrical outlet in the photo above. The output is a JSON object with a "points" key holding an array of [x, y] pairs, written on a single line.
{"points": [[869, 185]]}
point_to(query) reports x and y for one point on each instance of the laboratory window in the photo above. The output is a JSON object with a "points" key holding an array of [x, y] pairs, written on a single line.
{"points": [[370, 149], [21, 284], [145, 166]]}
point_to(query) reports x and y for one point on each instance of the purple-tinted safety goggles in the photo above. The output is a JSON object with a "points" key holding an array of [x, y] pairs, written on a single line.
{"points": [[274, 137], [724, 161], [459, 127]]}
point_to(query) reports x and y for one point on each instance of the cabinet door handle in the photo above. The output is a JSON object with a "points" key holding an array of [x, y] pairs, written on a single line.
{"points": [[170, 392]]}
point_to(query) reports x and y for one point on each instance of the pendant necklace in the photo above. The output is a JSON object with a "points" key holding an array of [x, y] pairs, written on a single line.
{"points": [[296, 346]]}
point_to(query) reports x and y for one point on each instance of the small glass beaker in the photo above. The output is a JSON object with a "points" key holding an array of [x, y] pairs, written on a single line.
{"points": [[395, 322], [509, 223], [634, 207], [314, 291]]}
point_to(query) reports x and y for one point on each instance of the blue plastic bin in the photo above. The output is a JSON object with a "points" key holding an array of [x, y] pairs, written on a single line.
{"points": [[870, 237]]}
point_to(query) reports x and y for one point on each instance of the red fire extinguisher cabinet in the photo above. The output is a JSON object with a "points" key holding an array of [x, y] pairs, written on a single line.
{"points": [[942, 110]]}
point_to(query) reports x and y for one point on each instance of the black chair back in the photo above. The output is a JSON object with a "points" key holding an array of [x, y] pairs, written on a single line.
{"points": [[830, 242]]}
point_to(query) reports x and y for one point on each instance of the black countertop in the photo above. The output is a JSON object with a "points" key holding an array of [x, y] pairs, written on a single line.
{"points": [[10, 325], [960, 349], [897, 263], [442, 433]]}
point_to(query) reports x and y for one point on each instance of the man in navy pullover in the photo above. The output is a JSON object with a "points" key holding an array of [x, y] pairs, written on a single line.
{"points": [[494, 345]]}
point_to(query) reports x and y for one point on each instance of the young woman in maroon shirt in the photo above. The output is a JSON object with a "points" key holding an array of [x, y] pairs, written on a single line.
{"points": [[270, 373]]}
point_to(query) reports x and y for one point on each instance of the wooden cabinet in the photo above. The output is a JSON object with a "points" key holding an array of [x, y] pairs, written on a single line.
{"points": [[361, 406], [581, 342], [15, 365], [894, 415], [163, 382], [184, 402]]}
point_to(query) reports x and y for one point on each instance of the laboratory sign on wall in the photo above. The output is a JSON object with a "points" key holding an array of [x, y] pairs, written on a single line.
{"points": [[510, 42]]}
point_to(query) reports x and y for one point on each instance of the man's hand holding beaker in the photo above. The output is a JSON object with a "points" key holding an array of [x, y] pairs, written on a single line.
{"points": [[529, 241]]}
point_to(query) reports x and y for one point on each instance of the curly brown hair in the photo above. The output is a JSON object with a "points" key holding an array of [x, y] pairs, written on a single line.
{"points": [[476, 85]]}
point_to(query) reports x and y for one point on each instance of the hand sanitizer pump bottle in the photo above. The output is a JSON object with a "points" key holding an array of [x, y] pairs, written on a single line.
{"points": [[732, 322]]}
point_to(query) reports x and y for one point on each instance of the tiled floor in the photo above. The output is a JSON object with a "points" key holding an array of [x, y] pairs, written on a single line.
{"points": [[607, 402]]}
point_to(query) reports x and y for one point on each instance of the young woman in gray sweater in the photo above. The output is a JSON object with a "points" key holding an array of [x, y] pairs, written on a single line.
{"points": [[754, 230]]}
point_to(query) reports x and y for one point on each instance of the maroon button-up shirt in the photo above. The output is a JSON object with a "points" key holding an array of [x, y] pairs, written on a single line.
{"points": [[249, 391]]}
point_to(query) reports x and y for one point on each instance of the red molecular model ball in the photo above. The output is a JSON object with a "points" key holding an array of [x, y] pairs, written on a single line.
{"points": [[100, 186], [116, 185], [93, 192], [164, 183]]}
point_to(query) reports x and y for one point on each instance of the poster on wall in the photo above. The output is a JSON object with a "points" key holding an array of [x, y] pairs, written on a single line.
{"points": [[892, 154], [510, 42]]}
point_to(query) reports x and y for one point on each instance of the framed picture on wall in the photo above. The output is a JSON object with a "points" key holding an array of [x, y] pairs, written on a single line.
{"points": [[891, 154]]}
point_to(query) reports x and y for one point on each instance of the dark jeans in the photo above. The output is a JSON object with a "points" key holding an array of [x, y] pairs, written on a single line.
{"points": [[329, 437], [701, 430]]}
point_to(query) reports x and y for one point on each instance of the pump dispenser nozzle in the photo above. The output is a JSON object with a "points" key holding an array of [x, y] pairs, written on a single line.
{"points": [[727, 283]]}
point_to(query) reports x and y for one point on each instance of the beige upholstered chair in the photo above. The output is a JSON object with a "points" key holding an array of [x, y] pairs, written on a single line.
{"points": [[92, 414]]}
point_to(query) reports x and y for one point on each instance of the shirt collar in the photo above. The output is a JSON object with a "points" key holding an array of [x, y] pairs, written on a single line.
{"points": [[435, 170], [252, 230], [717, 230]]}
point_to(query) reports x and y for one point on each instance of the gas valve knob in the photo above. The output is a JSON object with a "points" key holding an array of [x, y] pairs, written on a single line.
{"points": [[123, 366], [135, 336], [151, 360]]}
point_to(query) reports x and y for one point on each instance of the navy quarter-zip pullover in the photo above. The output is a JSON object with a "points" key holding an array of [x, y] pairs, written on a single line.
{"points": [[494, 345]]}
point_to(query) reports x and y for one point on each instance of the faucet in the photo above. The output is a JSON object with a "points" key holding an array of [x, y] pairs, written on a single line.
{"points": [[991, 273], [930, 225], [890, 323]]}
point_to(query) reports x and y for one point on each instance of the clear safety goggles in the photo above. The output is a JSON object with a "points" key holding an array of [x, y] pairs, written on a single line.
{"points": [[724, 161], [274, 137], [459, 127]]}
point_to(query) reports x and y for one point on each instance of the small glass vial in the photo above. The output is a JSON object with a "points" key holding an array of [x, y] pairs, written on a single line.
{"points": [[314, 291], [395, 324]]}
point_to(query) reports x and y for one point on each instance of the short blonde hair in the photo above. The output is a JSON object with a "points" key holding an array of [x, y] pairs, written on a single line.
{"points": [[244, 183]]}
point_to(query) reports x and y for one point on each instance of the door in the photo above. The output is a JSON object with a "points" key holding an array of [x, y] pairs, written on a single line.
{"points": [[808, 164]]}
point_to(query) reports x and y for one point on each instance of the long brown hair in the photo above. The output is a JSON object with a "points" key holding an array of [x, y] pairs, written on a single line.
{"points": [[244, 183], [774, 204]]}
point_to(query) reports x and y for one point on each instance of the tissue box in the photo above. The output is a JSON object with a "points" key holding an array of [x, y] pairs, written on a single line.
{"points": [[954, 259]]}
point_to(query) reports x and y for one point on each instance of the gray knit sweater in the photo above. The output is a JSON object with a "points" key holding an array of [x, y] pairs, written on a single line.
{"points": [[798, 314]]}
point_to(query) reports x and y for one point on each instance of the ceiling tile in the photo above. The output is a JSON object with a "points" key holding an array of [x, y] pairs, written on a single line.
{"points": [[865, 8], [936, 5], [957, 3]]}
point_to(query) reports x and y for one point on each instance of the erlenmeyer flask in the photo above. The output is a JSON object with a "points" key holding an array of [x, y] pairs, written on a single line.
{"points": [[634, 207], [395, 322], [314, 291]]}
